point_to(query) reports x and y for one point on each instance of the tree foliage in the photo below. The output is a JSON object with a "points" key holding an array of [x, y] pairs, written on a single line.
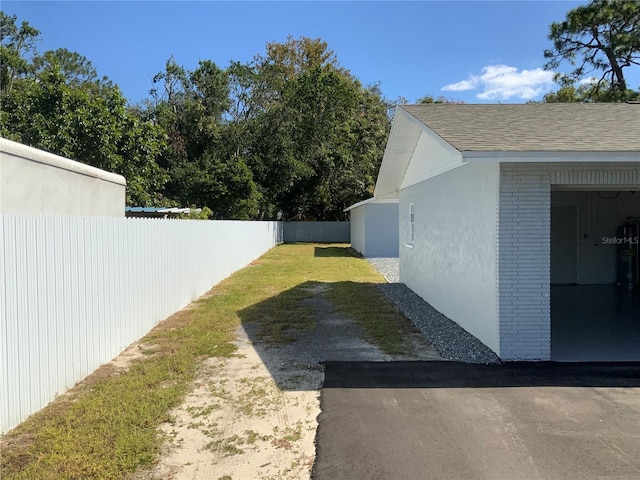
{"points": [[203, 170], [64, 110], [428, 99], [318, 135], [291, 133], [17, 46], [75, 68], [599, 40]]}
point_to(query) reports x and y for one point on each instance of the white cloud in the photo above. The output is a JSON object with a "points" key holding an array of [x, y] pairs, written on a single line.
{"points": [[501, 82], [588, 81], [468, 84]]}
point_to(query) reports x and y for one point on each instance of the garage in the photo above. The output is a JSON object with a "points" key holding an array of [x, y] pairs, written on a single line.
{"points": [[513, 214], [595, 284]]}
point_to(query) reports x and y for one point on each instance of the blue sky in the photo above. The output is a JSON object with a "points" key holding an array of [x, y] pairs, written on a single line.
{"points": [[476, 51]]}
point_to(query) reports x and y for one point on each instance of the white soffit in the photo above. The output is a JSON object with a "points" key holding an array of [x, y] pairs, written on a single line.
{"points": [[405, 132], [414, 153]]}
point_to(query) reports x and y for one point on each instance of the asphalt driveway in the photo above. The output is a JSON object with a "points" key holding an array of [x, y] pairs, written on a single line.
{"points": [[449, 420]]}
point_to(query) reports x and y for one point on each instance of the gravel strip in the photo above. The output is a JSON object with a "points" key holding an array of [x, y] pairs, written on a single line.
{"points": [[450, 340], [389, 268]]}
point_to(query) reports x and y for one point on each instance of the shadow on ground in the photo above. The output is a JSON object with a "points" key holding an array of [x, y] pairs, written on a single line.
{"points": [[331, 251], [299, 329]]}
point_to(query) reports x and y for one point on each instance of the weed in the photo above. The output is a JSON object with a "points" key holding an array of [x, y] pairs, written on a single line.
{"points": [[287, 437], [228, 446], [196, 412]]}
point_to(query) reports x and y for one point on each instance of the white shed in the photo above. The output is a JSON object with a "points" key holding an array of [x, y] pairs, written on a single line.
{"points": [[520, 223], [374, 227]]}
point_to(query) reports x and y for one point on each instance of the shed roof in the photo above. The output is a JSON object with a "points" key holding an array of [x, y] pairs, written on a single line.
{"points": [[159, 210], [535, 127], [371, 200]]}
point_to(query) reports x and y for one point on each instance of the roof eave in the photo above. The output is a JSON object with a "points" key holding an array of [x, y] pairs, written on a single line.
{"points": [[551, 156], [403, 138], [371, 200]]}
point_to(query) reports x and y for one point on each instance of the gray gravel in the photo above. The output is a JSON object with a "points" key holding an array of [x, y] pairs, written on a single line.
{"points": [[449, 339], [389, 268]]}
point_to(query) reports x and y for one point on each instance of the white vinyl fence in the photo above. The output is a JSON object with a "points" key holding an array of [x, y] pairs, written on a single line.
{"points": [[75, 292]]}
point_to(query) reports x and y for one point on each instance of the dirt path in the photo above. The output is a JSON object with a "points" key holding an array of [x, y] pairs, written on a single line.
{"points": [[253, 416], [238, 423]]}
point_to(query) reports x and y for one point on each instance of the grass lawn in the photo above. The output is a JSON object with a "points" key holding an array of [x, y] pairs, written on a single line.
{"points": [[107, 426]]}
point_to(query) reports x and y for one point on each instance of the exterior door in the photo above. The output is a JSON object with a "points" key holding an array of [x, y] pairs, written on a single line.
{"points": [[564, 245]]}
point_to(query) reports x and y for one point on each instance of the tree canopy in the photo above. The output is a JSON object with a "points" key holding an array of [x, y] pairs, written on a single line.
{"points": [[292, 133], [428, 99], [599, 40], [55, 102]]}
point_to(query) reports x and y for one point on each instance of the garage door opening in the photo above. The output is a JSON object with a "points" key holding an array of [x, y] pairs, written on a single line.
{"points": [[595, 275]]}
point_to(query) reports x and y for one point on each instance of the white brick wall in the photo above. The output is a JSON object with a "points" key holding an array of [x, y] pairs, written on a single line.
{"points": [[524, 270]]}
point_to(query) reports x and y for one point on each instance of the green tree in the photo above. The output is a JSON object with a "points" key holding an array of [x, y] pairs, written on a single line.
{"points": [[601, 38], [318, 136], [205, 166], [55, 102], [90, 124], [565, 94], [17, 46], [427, 99], [75, 68]]}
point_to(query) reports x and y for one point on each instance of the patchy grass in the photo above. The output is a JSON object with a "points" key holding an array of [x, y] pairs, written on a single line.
{"points": [[107, 426], [382, 322]]}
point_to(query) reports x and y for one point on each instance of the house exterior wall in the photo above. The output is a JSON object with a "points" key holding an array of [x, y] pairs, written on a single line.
{"points": [[524, 270], [453, 261], [35, 182], [381, 230], [357, 217], [524, 266]]}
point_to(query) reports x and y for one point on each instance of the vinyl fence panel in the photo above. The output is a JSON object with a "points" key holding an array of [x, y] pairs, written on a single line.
{"points": [[75, 292]]}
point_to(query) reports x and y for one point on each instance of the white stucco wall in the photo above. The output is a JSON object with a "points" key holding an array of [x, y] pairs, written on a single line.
{"points": [[453, 264], [35, 182], [381, 230], [357, 225], [599, 213], [374, 228]]}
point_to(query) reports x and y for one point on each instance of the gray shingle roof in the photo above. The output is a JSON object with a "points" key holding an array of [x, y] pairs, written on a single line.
{"points": [[548, 127]]}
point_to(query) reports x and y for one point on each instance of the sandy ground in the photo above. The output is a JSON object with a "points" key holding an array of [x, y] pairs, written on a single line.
{"points": [[238, 423], [254, 416]]}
